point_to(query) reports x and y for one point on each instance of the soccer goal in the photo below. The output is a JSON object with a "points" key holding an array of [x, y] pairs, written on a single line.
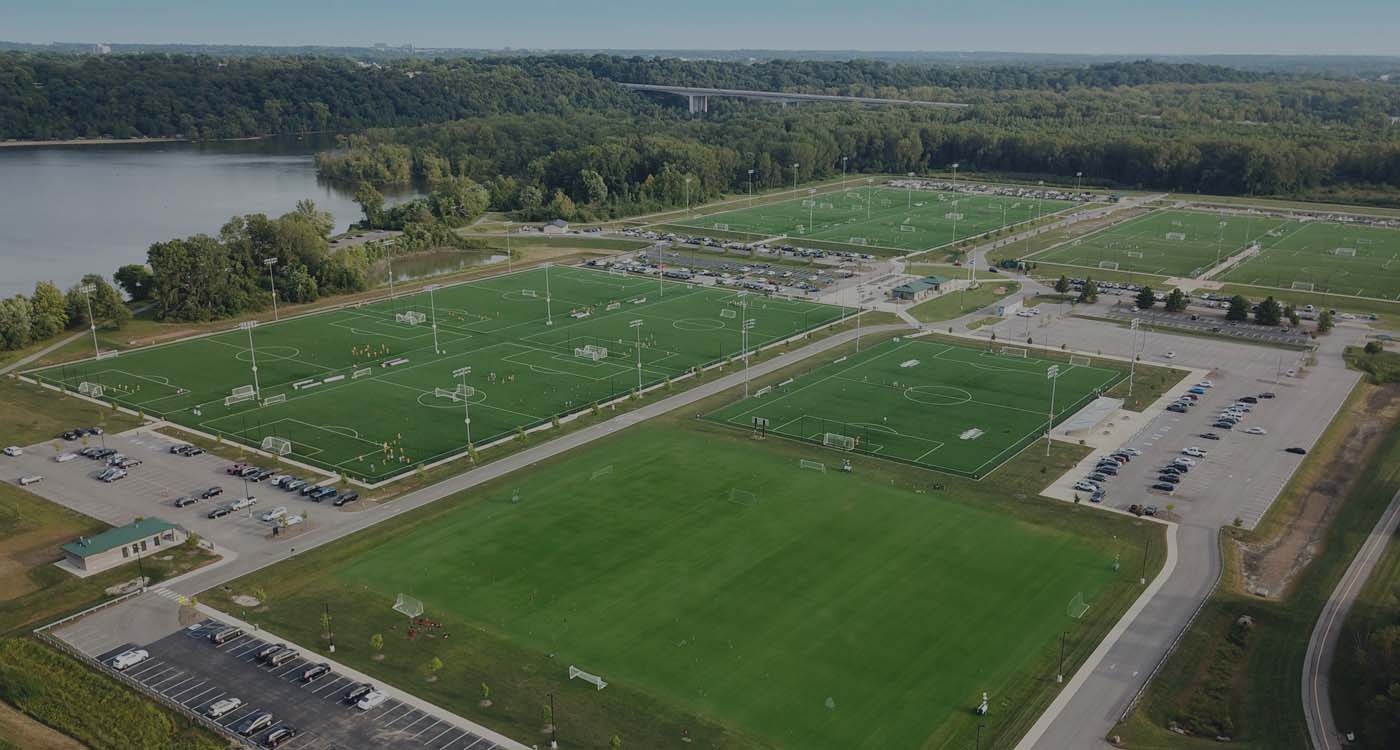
{"points": [[809, 203], [1077, 606], [839, 441], [600, 473], [279, 446], [591, 352], [412, 317], [576, 673], [617, 271], [907, 228], [742, 497], [721, 226], [1133, 253], [728, 313], [529, 293], [93, 390], [825, 205], [240, 394], [408, 605], [859, 241], [1345, 252], [1081, 361], [1176, 236], [275, 399], [1302, 286], [954, 216], [813, 465], [360, 373], [1111, 265], [1014, 351]]}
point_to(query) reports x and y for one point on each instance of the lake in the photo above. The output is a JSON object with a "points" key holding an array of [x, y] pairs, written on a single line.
{"points": [[70, 210]]}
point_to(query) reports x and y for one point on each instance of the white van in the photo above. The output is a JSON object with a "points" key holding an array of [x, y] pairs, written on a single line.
{"points": [[27, 480], [130, 658], [65, 457], [223, 707]]}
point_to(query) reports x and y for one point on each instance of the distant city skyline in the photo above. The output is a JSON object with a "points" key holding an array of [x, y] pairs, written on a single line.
{"points": [[1115, 27]]}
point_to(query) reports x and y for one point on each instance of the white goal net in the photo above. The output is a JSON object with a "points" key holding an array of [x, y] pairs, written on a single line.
{"points": [[408, 605], [275, 399], [721, 226], [412, 317], [458, 392], [1133, 253], [1302, 286], [1345, 252], [1014, 351], [528, 293], [240, 394], [859, 241], [1111, 265], [1077, 606], [93, 390], [742, 497], [813, 465], [277, 445], [1081, 361], [728, 313], [1176, 236], [838, 441], [591, 352]]}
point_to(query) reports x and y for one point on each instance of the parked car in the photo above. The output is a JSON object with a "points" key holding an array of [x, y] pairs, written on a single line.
{"points": [[211, 492], [14, 450], [185, 501], [1169, 478], [1256, 431], [273, 515], [1084, 486], [354, 694], [179, 448], [1250, 400], [1267, 394], [268, 651], [347, 498], [1223, 425], [1164, 487], [254, 723], [1194, 451], [323, 493], [220, 709], [130, 658], [294, 485], [64, 458], [370, 700], [1299, 451], [112, 475], [1210, 435], [236, 469], [1149, 510], [311, 673], [242, 502], [279, 736], [219, 512], [1097, 477]]}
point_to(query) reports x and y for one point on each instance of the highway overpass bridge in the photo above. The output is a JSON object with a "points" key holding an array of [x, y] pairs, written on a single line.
{"points": [[699, 98]]}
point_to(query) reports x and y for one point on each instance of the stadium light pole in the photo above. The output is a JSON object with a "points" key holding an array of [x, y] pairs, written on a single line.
{"points": [[1219, 240], [1039, 197], [843, 172], [463, 372], [249, 325], [687, 196], [909, 192], [330, 633], [270, 262], [1053, 374], [1078, 182], [553, 725], [955, 175], [636, 325], [510, 258], [795, 165], [858, 310], [811, 206], [87, 290], [390, 259], [548, 301], [1132, 354], [1060, 673], [748, 326], [432, 307], [750, 188]]}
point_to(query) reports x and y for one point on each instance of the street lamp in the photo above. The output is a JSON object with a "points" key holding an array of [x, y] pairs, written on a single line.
{"points": [[843, 172], [432, 306], [687, 196], [1060, 673], [795, 165], [637, 326], [1078, 182], [1040, 196], [270, 262], [955, 175], [1132, 354], [869, 181], [750, 188], [909, 191], [510, 258], [463, 372], [748, 326], [87, 290], [548, 301], [811, 206], [249, 325], [1053, 374]]}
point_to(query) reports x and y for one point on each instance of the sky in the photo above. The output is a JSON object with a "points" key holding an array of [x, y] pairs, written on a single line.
{"points": [[1066, 26]]}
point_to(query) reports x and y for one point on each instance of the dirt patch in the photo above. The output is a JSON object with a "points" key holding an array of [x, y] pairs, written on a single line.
{"points": [[25, 552], [29, 734], [177, 333], [1268, 567], [243, 600]]}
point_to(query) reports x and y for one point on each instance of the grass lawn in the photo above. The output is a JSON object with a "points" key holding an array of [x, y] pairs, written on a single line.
{"points": [[953, 407], [878, 218], [30, 413], [1377, 606], [957, 304], [1167, 242], [358, 391], [1334, 258], [761, 605]]}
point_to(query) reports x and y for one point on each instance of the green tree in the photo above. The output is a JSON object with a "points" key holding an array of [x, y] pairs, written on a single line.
{"points": [[371, 203], [376, 642], [562, 207], [1176, 301], [49, 311], [1062, 285], [1290, 313], [434, 666], [1145, 298], [595, 189], [1324, 321], [458, 200], [615, 743], [135, 279], [1239, 309], [1089, 292], [1374, 347], [1269, 312], [16, 322]]}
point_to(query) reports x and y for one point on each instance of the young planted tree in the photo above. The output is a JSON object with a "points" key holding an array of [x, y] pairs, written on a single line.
{"points": [[434, 666], [1089, 292], [1062, 286], [1324, 321], [1269, 312], [1238, 311], [1176, 301], [1146, 298], [376, 642]]}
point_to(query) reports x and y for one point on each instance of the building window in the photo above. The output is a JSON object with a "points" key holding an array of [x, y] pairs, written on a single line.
{"points": [[156, 539], [143, 545], [126, 552]]}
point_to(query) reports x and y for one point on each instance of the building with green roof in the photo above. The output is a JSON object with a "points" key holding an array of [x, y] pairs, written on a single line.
{"points": [[145, 536]]}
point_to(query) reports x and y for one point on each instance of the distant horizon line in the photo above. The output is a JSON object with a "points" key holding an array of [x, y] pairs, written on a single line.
{"points": [[381, 46]]}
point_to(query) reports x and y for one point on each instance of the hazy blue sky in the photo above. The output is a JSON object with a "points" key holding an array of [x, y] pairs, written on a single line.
{"points": [[1116, 26]]}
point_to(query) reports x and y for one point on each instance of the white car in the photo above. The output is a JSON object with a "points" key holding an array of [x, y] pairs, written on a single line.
{"points": [[1194, 451], [1085, 486], [1256, 431], [242, 503], [1206, 384], [130, 658], [65, 457], [372, 698], [293, 520], [14, 450], [1170, 355], [223, 707], [1184, 460], [274, 514]]}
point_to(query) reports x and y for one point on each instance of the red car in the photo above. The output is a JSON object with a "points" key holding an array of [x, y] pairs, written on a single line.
{"points": [[236, 468]]}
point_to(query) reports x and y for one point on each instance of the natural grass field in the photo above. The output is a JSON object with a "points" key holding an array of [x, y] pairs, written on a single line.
{"points": [[31, 413], [955, 408], [358, 414], [722, 590], [1306, 254], [1150, 243], [957, 304], [877, 219]]}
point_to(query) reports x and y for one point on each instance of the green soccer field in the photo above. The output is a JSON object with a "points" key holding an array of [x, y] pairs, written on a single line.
{"points": [[819, 610], [877, 218], [958, 409], [1168, 242], [358, 391], [1335, 258]]}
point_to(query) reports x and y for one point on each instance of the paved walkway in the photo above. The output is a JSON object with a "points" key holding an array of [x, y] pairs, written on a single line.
{"points": [[1322, 647], [21, 362]]}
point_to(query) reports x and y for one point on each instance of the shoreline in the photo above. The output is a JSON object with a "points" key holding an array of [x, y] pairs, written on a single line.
{"points": [[119, 141]]}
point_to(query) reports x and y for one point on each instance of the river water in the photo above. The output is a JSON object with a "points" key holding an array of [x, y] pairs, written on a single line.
{"points": [[70, 210]]}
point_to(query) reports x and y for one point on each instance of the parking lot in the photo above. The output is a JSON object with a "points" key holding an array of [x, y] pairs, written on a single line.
{"points": [[151, 488], [188, 668], [1214, 324]]}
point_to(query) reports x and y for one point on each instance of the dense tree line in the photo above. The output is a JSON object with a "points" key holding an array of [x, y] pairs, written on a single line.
{"points": [[26, 320]]}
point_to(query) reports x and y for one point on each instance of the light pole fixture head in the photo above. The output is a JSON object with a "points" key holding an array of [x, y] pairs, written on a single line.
{"points": [[247, 325], [432, 287], [635, 324], [87, 288], [269, 262], [461, 372], [1052, 371]]}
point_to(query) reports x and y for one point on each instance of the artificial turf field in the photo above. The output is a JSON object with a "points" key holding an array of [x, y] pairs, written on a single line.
{"points": [[1142, 244], [821, 610], [959, 409], [878, 218], [367, 419], [1304, 255]]}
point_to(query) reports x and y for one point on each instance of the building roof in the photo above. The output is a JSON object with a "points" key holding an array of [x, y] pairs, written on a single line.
{"points": [[919, 285], [558, 223], [113, 538]]}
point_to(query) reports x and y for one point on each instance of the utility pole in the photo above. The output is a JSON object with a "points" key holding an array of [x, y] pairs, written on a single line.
{"points": [[955, 175], [843, 173], [510, 258], [1053, 374], [748, 326], [909, 192], [1060, 673], [270, 262], [687, 196], [548, 301], [750, 188]]}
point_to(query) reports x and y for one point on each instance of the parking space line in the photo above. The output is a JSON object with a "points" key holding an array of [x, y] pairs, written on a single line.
{"points": [[167, 690], [439, 735], [459, 738], [401, 717], [136, 673], [390, 707], [203, 697], [174, 674], [151, 678], [414, 723], [236, 717], [340, 680], [430, 726]]}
